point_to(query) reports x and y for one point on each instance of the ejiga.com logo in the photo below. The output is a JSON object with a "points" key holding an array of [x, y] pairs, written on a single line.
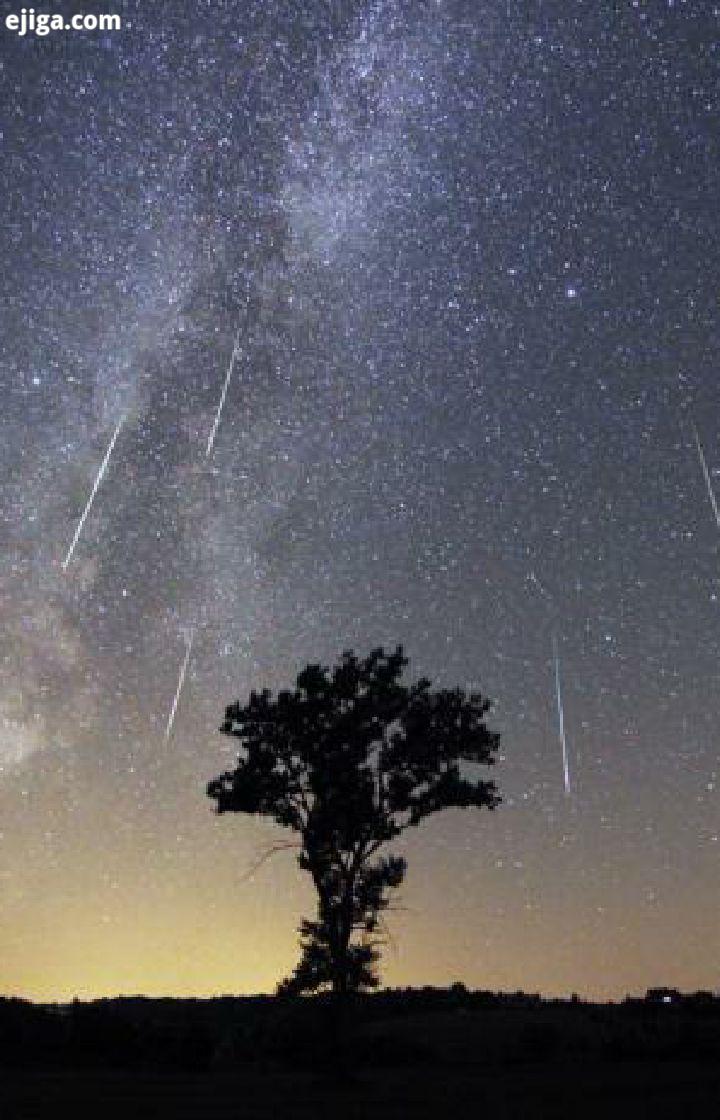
{"points": [[41, 23]]}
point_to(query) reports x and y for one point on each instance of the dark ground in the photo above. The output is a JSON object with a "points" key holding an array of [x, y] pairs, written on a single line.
{"points": [[427, 1053], [638, 1090]]}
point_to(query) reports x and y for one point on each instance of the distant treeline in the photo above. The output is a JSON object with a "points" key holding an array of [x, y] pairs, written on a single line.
{"points": [[448, 1026]]}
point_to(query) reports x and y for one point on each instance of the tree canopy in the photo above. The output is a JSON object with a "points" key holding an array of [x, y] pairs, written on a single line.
{"points": [[349, 759]]}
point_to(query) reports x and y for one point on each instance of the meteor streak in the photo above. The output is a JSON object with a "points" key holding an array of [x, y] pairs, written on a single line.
{"points": [[561, 716], [708, 479], [93, 492], [178, 690], [218, 414], [181, 679], [534, 580]]}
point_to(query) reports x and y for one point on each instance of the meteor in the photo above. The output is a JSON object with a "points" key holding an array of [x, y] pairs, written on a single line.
{"points": [[532, 578], [218, 414], [561, 716], [93, 492], [181, 679], [708, 479]]}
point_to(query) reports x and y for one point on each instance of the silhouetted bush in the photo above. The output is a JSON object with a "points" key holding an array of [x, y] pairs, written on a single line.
{"points": [[390, 1028]]}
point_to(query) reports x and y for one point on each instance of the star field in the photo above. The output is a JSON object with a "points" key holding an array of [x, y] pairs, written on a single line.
{"points": [[469, 254]]}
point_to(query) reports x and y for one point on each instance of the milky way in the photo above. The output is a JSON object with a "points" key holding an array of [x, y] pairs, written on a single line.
{"points": [[401, 307]]}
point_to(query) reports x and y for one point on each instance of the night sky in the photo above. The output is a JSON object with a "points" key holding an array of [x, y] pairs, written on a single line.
{"points": [[469, 253]]}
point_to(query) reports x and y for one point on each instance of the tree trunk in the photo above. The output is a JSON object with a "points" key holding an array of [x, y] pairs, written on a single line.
{"points": [[340, 1001]]}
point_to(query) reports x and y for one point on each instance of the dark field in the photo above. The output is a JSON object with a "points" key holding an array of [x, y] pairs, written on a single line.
{"points": [[636, 1090], [411, 1054]]}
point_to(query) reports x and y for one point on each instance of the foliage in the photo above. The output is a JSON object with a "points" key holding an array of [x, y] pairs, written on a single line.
{"points": [[349, 759]]}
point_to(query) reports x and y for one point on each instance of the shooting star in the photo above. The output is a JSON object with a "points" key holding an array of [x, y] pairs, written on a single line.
{"points": [[708, 478], [561, 716], [532, 578], [221, 403], [181, 679], [93, 492]]}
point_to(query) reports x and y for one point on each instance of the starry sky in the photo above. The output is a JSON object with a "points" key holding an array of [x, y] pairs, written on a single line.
{"points": [[466, 255]]}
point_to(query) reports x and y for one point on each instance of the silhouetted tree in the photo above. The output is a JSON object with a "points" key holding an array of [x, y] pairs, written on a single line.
{"points": [[350, 759]]}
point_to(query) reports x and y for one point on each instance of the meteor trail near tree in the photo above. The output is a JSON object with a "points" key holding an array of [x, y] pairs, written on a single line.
{"points": [[218, 414], [181, 679], [93, 492], [708, 479], [561, 716]]}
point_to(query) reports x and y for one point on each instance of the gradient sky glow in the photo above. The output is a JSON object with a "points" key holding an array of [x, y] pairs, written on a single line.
{"points": [[470, 253]]}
